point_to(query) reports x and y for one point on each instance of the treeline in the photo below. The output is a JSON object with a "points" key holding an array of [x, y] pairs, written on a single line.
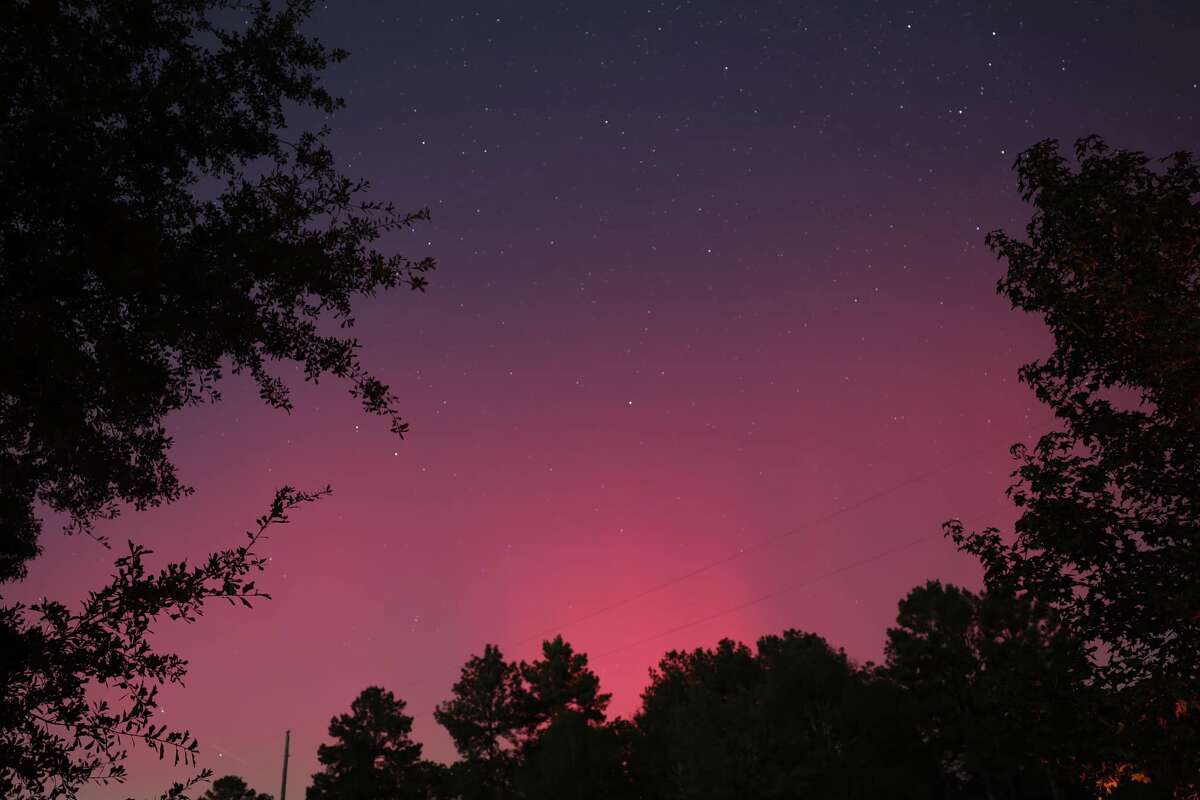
{"points": [[979, 696]]}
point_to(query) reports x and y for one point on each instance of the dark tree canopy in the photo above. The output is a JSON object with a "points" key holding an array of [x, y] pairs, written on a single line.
{"points": [[156, 230], [574, 758], [794, 719], [692, 714], [568, 751], [232, 787], [1109, 532], [999, 688], [484, 718], [559, 683], [983, 697], [372, 755], [533, 730]]}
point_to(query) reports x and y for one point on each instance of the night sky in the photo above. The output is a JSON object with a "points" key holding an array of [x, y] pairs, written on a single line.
{"points": [[713, 347]]}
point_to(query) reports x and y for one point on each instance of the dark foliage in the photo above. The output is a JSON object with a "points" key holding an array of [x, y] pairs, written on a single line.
{"points": [[983, 697], [484, 719], [557, 684], [54, 737], [531, 729], [156, 229], [1000, 690], [373, 756], [794, 719], [231, 787], [567, 752], [1109, 532], [575, 758]]}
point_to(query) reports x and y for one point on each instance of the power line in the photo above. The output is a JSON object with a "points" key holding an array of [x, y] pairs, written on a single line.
{"points": [[763, 597], [761, 545], [780, 590]]}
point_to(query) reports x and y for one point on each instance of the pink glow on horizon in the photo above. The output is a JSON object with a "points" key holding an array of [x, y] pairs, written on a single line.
{"points": [[523, 503]]}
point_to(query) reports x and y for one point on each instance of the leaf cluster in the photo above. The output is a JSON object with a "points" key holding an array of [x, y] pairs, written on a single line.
{"points": [[55, 734], [157, 231]]}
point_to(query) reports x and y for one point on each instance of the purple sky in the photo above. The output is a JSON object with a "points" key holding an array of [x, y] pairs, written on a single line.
{"points": [[711, 280]]}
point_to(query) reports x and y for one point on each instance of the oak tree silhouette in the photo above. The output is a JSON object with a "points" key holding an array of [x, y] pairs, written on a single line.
{"points": [[157, 230]]}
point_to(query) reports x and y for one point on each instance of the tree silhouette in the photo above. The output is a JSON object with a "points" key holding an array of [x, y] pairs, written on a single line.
{"points": [[1109, 531], [231, 787], [373, 755], [156, 228], [559, 683], [694, 715], [575, 758], [53, 739], [833, 729], [531, 729], [484, 720], [794, 719], [568, 751], [1000, 691], [932, 652]]}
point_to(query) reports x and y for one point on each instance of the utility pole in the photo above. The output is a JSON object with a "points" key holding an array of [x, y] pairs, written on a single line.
{"points": [[287, 739]]}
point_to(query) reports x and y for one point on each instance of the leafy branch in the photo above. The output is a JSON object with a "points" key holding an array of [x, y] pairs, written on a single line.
{"points": [[59, 657]]}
